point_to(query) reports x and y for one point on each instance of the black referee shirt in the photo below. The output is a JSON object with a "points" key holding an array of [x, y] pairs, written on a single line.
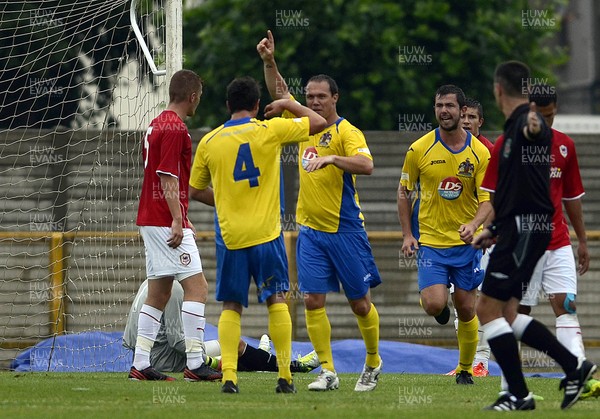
{"points": [[523, 185]]}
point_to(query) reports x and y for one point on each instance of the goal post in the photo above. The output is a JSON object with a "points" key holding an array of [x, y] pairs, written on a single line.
{"points": [[174, 37], [77, 93]]}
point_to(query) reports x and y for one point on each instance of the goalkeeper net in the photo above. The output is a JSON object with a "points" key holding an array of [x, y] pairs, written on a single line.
{"points": [[76, 94]]}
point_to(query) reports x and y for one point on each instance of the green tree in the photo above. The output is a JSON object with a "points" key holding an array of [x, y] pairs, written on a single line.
{"points": [[388, 57]]}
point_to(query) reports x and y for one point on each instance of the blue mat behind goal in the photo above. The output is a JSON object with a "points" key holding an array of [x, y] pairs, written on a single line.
{"points": [[79, 352], [102, 351]]}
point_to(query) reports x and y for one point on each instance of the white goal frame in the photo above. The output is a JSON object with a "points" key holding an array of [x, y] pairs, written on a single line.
{"points": [[174, 35]]}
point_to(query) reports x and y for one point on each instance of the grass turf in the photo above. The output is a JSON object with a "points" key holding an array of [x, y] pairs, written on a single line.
{"points": [[111, 395]]}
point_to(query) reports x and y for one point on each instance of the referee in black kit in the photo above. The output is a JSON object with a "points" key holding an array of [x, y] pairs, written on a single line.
{"points": [[523, 225]]}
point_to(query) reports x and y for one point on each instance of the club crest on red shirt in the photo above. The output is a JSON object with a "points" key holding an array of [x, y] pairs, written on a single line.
{"points": [[563, 150]]}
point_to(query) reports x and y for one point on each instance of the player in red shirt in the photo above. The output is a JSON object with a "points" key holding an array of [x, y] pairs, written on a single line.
{"points": [[171, 251], [472, 120], [555, 275]]}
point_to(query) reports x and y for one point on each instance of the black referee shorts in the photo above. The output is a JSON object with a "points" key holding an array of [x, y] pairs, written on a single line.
{"points": [[522, 241]]}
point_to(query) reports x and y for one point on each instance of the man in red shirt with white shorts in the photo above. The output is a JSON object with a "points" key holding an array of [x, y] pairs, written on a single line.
{"points": [[555, 275], [169, 239]]}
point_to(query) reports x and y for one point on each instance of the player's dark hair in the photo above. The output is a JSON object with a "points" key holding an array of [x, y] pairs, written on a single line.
{"points": [[333, 87], [543, 94], [450, 89], [472, 103], [513, 76], [242, 94], [183, 83]]}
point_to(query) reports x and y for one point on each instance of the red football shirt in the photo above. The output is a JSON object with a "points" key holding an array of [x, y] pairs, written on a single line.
{"points": [[167, 150], [565, 182], [486, 142]]}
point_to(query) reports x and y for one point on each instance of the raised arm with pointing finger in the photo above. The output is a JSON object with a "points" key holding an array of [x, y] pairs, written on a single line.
{"points": [[332, 242], [275, 83]]}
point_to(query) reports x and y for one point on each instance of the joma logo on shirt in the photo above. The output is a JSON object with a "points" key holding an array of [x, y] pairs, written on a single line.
{"points": [[437, 162]]}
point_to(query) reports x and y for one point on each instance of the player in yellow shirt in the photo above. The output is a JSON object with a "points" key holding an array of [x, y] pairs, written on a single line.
{"points": [[332, 242], [443, 170], [242, 160]]}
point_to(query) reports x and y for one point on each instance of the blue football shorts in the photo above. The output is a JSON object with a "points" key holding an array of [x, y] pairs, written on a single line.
{"points": [[458, 265], [266, 263], [325, 260]]}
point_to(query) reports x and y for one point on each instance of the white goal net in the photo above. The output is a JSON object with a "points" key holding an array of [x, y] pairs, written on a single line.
{"points": [[76, 94]]}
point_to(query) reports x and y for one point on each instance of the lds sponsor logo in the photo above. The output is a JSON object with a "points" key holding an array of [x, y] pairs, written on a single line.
{"points": [[450, 188], [309, 154]]}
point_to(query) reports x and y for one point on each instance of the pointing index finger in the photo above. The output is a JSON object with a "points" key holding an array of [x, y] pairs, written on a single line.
{"points": [[532, 107]]}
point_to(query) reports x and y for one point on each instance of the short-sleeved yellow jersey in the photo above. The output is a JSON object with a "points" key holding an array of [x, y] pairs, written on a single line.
{"points": [[447, 184], [242, 158], [328, 200]]}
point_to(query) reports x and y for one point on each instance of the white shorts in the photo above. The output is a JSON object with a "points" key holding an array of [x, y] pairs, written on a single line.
{"points": [[555, 273], [163, 261], [485, 259]]}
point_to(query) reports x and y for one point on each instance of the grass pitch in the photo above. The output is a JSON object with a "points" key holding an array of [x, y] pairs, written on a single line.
{"points": [[111, 395]]}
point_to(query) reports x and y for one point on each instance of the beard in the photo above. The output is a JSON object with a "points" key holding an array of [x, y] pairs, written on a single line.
{"points": [[450, 125]]}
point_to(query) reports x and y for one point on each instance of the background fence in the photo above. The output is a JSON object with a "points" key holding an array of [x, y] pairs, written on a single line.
{"points": [[72, 259]]}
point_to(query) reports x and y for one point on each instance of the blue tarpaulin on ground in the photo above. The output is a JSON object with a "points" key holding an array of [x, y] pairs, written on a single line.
{"points": [[104, 352], [80, 352]]}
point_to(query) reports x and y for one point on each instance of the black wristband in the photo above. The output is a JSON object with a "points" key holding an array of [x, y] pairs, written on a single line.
{"points": [[493, 229]]}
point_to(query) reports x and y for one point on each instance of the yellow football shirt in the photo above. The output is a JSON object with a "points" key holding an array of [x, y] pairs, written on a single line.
{"points": [[447, 183], [242, 159], [328, 200]]}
